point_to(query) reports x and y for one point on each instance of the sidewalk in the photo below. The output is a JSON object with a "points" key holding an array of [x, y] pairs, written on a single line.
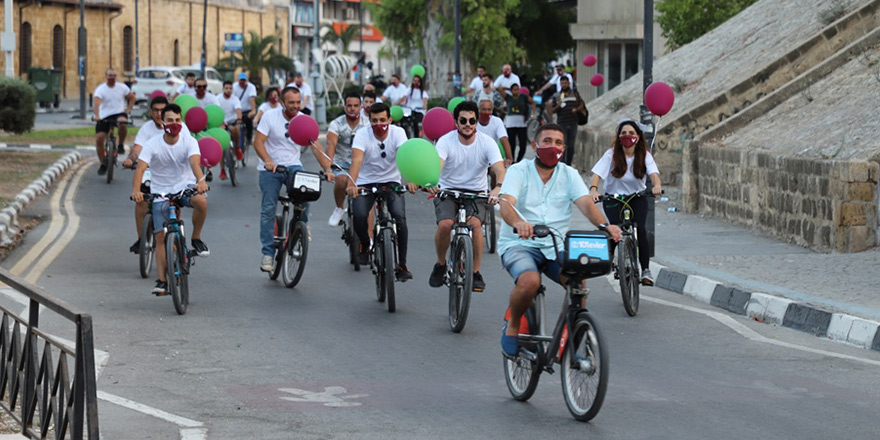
{"points": [[750, 273]]}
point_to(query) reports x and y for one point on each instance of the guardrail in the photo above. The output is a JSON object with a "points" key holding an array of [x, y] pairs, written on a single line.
{"points": [[35, 375]]}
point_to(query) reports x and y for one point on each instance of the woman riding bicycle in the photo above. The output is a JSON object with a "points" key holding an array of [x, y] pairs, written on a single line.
{"points": [[624, 169]]}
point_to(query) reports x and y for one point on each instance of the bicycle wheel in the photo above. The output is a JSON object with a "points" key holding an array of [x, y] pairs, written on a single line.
{"points": [[176, 272], [293, 259], [389, 266], [147, 245], [521, 373], [279, 247], [230, 165], [354, 244], [628, 271], [585, 369], [244, 148], [379, 267], [490, 230], [461, 282], [110, 157]]}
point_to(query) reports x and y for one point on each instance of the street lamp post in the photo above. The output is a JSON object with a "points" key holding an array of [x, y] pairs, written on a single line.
{"points": [[646, 117], [204, 38], [456, 77], [318, 89], [137, 58], [81, 59]]}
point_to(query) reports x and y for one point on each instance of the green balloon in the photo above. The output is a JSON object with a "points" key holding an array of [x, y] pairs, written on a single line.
{"points": [[417, 70], [396, 113], [215, 115], [418, 162], [221, 135], [501, 149], [454, 102], [199, 135], [185, 102]]}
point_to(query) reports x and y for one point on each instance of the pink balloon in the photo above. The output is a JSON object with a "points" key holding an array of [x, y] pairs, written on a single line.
{"points": [[659, 98], [196, 119], [156, 93], [597, 79], [590, 60], [438, 121], [303, 130], [210, 150], [524, 90]]}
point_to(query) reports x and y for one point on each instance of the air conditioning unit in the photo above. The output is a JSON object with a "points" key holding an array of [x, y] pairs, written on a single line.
{"points": [[350, 13]]}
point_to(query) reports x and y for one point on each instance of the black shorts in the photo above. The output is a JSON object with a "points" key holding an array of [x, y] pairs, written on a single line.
{"points": [[447, 209], [103, 127]]}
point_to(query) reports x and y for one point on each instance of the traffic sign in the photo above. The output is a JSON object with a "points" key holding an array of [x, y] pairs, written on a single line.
{"points": [[233, 42]]}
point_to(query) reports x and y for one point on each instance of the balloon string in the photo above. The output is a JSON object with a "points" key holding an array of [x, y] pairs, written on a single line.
{"points": [[654, 138], [312, 144]]}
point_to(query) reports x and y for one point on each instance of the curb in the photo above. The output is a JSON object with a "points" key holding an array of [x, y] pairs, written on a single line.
{"points": [[774, 309], [47, 147], [9, 214]]}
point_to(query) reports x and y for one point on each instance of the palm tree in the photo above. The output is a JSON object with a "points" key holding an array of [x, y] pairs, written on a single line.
{"points": [[343, 38], [258, 54]]}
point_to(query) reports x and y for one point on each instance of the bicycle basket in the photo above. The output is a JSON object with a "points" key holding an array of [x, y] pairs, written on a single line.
{"points": [[304, 187], [587, 254]]}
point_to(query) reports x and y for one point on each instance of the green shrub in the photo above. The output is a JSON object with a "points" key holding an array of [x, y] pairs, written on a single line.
{"points": [[18, 105], [334, 112], [437, 102], [617, 104]]}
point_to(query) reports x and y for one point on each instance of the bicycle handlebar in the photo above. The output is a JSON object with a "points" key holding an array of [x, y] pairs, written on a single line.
{"points": [[457, 194], [279, 169], [380, 189], [622, 197]]}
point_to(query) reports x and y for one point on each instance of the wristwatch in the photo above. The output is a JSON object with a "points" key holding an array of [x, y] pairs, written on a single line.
{"points": [[498, 185], [602, 226]]}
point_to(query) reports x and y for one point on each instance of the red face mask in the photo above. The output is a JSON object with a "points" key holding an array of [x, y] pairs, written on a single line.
{"points": [[628, 141], [173, 129], [353, 116], [273, 100], [549, 156], [379, 130], [111, 82], [484, 118], [290, 113]]}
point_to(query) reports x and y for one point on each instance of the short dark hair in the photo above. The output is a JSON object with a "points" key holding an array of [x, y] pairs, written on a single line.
{"points": [[227, 83], [190, 74], [487, 74], [380, 107], [173, 108], [201, 79], [287, 90], [158, 100], [548, 126], [370, 94], [482, 67], [352, 95], [396, 76], [270, 90], [465, 106]]}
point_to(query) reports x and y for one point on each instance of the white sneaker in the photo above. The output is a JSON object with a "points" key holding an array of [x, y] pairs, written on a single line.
{"points": [[267, 264], [336, 217]]}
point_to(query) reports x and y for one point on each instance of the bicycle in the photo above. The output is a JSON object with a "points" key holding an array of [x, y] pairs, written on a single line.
{"points": [[291, 232], [178, 258], [576, 344], [490, 231], [230, 159], [627, 270], [384, 251], [460, 260], [147, 238], [244, 144], [110, 154], [349, 237]]}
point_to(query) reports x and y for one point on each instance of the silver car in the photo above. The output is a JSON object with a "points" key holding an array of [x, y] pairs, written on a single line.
{"points": [[169, 78]]}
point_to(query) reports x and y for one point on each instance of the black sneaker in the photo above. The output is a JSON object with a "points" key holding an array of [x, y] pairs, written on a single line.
{"points": [[120, 149], [136, 247], [479, 285], [437, 275], [209, 177], [200, 247], [161, 288], [363, 256], [102, 170], [403, 274]]}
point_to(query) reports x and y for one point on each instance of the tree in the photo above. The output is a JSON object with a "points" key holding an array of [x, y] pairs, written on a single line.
{"points": [[541, 30], [258, 54], [343, 38], [684, 21]]}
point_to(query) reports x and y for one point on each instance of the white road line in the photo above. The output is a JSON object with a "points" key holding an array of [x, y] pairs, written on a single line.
{"points": [[150, 411]]}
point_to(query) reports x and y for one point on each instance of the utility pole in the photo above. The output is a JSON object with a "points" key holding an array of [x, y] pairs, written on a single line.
{"points": [[204, 38], [137, 57], [81, 62], [456, 77], [317, 83], [7, 40], [646, 117], [361, 50]]}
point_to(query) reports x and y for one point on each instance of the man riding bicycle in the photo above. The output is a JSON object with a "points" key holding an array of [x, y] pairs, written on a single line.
{"points": [[110, 99], [464, 156], [246, 92], [539, 191], [274, 147], [231, 117], [340, 135], [373, 154], [172, 158]]}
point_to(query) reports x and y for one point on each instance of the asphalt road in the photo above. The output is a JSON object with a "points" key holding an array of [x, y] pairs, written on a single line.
{"points": [[252, 359]]}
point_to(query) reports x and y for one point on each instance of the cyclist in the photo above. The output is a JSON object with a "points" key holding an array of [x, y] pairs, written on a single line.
{"points": [[542, 191], [477, 82], [493, 126], [340, 134], [505, 80], [488, 92], [395, 93], [272, 102], [204, 97], [247, 94], [187, 88], [274, 147], [231, 117], [519, 108], [368, 101], [308, 105], [624, 168], [373, 154], [110, 99], [417, 99], [172, 158], [464, 156]]}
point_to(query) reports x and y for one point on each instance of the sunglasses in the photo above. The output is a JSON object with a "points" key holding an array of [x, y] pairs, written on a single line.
{"points": [[286, 129], [466, 121], [111, 76], [382, 147], [201, 87]]}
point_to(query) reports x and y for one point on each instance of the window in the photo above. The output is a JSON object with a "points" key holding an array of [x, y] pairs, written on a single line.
{"points": [[127, 49], [176, 54], [58, 47], [618, 61], [24, 54], [304, 12]]}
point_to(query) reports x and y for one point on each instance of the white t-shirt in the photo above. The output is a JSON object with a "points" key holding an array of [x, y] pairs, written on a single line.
{"points": [[229, 105], [112, 99], [628, 184], [392, 94], [415, 99], [476, 83], [340, 127], [207, 100], [506, 82], [555, 80], [266, 106], [375, 168], [184, 89], [305, 90], [495, 129], [169, 164], [149, 130], [464, 166], [281, 149], [244, 95]]}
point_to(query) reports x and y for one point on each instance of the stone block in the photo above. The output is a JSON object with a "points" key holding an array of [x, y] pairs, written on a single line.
{"points": [[861, 191], [858, 172], [730, 299], [671, 280], [840, 326], [862, 332], [767, 308], [853, 213], [860, 238], [700, 288], [807, 319]]}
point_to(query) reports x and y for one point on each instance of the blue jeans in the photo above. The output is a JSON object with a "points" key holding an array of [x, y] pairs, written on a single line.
{"points": [[270, 185]]}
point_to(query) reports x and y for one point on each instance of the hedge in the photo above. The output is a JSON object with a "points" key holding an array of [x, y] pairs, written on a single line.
{"points": [[18, 105]]}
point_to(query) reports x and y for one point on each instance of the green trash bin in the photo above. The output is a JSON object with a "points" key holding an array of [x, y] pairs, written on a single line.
{"points": [[48, 85]]}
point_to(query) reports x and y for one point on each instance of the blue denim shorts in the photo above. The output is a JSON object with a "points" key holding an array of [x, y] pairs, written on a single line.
{"points": [[519, 259], [160, 211]]}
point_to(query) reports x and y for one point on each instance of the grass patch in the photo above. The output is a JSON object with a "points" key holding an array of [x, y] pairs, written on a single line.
{"points": [[67, 136], [19, 168]]}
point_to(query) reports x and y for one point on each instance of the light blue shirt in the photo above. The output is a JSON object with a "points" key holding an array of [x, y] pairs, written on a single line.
{"points": [[540, 203]]}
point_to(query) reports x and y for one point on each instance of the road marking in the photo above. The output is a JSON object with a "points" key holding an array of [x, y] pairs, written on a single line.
{"points": [[333, 397], [183, 422]]}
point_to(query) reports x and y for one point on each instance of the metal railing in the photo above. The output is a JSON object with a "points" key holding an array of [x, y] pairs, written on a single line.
{"points": [[35, 375]]}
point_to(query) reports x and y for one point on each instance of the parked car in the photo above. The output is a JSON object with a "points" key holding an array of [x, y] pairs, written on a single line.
{"points": [[169, 78]]}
